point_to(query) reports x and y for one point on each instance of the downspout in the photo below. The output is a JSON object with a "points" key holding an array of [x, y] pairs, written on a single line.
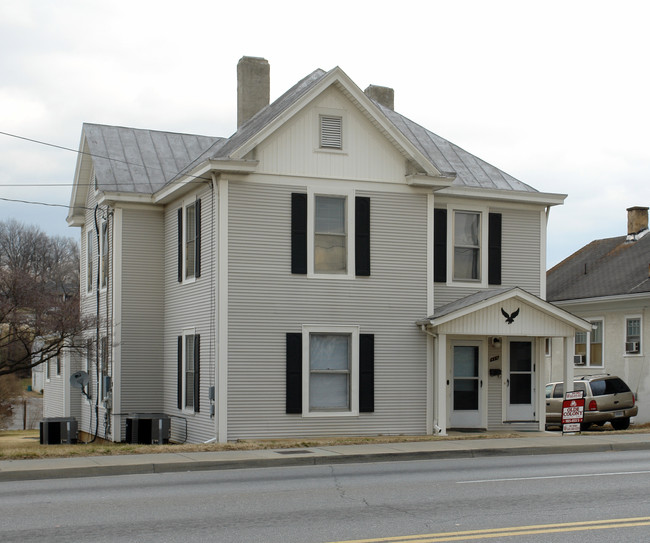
{"points": [[215, 310], [423, 328], [97, 329]]}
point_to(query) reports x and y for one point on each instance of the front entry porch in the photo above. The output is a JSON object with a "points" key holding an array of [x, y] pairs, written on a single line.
{"points": [[488, 360]]}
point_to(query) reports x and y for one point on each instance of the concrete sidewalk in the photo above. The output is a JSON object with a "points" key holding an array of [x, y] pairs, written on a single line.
{"points": [[528, 443]]}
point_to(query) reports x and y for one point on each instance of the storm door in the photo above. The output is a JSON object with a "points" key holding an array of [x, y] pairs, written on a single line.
{"points": [[466, 387], [521, 382]]}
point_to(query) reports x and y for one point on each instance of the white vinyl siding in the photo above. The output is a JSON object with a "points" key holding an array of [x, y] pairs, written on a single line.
{"points": [[187, 305], [261, 286]]}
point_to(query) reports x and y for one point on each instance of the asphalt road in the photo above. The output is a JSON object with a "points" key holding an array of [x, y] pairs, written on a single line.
{"points": [[323, 504]]}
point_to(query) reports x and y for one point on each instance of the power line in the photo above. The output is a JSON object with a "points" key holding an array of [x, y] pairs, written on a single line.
{"points": [[42, 203], [110, 159]]}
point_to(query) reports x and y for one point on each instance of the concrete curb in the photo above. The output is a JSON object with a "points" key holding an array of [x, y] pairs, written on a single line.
{"points": [[44, 469]]}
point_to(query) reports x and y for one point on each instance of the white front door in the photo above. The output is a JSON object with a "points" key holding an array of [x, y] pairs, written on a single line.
{"points": [[520, 384], [466, 386]]}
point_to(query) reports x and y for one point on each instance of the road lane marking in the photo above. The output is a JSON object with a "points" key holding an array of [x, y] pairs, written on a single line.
{"points": [[510, 531], [553, 477]]}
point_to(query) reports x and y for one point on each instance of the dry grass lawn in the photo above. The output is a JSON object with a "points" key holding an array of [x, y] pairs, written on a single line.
{"points": [[24, 444]]}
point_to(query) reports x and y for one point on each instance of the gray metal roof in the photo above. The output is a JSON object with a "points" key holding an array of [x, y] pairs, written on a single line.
{"points": [[141, 161], [470, 170], [462, 303], [605, 267]]}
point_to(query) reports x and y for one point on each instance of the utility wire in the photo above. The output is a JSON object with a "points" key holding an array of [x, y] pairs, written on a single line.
{"points": [[78, 152]]}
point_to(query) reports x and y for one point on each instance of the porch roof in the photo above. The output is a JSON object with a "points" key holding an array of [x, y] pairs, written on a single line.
{"points": [[504, 311]]}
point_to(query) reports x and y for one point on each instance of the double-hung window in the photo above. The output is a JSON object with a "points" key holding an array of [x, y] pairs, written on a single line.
{"points": [[633, 335], [467, 246], [189, 349], [89, 260], [330, 234], [189, 241], [330, 371], [589, 347], [104, 254]]}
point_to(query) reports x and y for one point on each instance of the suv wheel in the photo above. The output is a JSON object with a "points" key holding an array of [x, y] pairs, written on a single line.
{"points": [[621, 424]]}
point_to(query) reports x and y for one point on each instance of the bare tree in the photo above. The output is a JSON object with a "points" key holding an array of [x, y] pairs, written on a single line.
{"points": [[39, 296]]}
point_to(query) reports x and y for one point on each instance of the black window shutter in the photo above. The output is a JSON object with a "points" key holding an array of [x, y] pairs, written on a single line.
{"points": [[197, 243], [298, 233], [180, 373], [366, 373], [494, 248], [440, 245], [294, 373], [180, 244], [197, 372], [362, 235]]}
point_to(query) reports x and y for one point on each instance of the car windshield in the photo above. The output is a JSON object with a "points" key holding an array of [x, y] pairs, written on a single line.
{"points": [[601, 387]]}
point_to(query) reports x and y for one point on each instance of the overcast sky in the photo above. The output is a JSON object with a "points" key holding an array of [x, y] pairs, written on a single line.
{"points": [[554, 93]]}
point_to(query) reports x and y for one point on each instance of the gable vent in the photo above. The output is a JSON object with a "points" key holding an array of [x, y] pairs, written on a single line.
{"points": [[331, 128]]}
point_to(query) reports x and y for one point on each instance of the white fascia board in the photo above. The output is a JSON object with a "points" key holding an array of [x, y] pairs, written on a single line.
{"points": [[124, 197], [436, 183], [538, 303], [76, 213], [338, 76], [619, 298], [202, 173], [540, 198]]}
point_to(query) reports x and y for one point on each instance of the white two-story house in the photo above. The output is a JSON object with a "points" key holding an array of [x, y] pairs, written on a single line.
{"points": [[332, 268]]}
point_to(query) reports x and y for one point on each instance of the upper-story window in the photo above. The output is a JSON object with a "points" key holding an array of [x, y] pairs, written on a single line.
{"points": [[633, 335], [330, 234], [104, 254], [470, 241], [589, 347], [89, 260], [189, 241], [467, 246]]}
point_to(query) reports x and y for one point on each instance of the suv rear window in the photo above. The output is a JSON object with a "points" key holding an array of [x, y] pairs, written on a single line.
{"points": [[559, 389], [601, 387]]}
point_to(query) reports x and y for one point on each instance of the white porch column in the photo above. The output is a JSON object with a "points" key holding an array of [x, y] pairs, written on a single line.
{"points": [[440, 378], [569, 350]]}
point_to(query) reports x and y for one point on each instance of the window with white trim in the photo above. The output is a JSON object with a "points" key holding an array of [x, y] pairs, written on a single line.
{"points": [[89, 260], [330, 370], [104, 254], [589, 347], [330, 234], [633, 335], [189, 241], [189, 349], [103, 367], [47, 370], [59, 363], [467, 246]]}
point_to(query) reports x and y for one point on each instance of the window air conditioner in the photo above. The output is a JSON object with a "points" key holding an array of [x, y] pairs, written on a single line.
{"points": [[632, 347], [579, 360]]}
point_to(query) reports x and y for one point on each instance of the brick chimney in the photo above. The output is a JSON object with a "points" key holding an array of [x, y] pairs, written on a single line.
{"points": [[637, 219], [253, 87], [384, 95]]}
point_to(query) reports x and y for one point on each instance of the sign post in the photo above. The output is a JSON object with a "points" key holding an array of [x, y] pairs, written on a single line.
{"points": [[573, 409]]}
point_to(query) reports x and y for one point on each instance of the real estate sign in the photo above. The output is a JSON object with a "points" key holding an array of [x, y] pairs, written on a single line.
{"points": [[573, 409]]}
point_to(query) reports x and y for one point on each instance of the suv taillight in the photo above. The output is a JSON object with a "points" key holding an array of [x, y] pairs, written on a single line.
{"points": [[593, 406]]}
